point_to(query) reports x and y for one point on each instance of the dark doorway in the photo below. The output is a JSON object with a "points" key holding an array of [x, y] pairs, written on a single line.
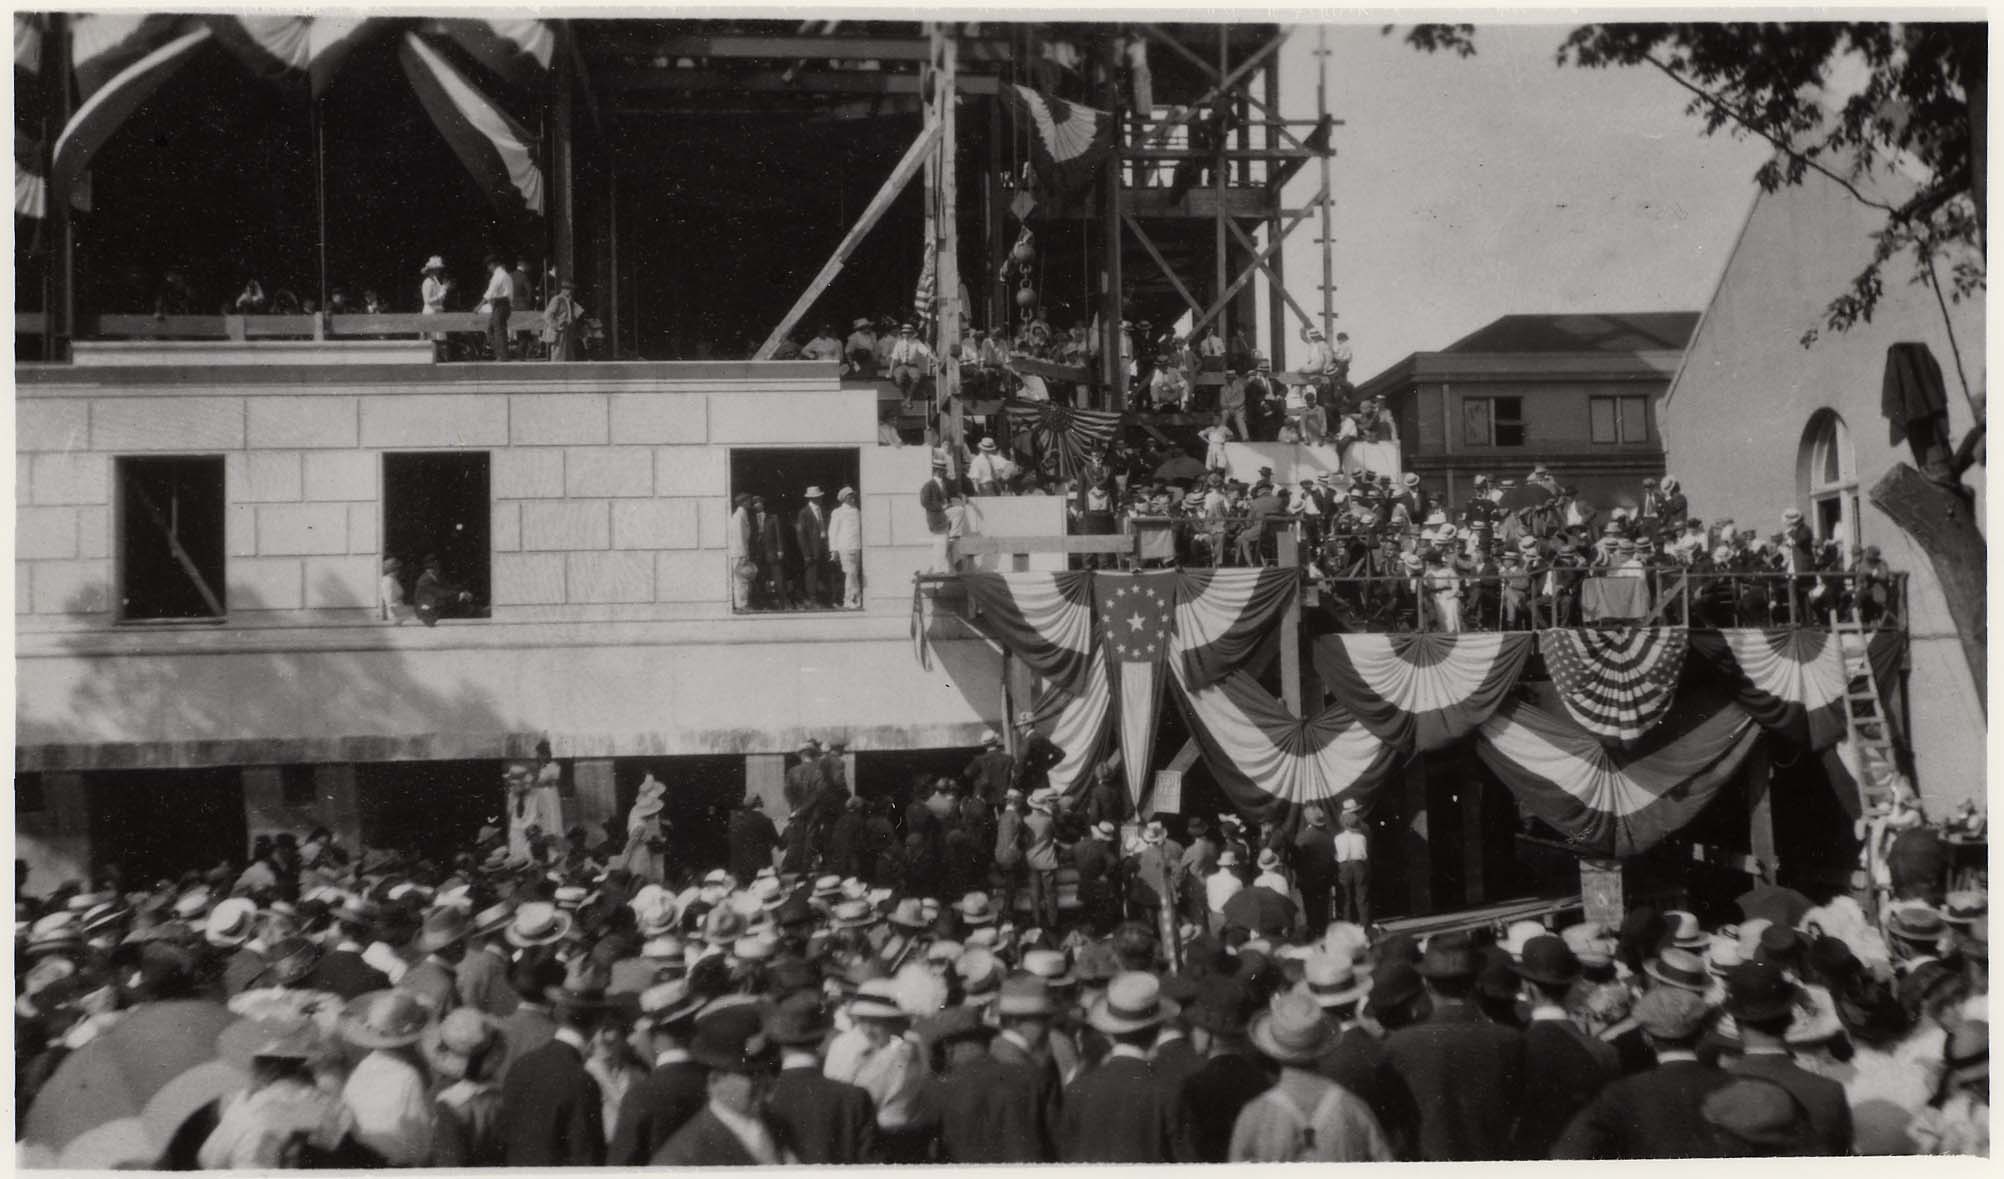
{"points": [[430, 808], [435, 503], [170, 514], [161, 823], [898, 774], [694, 813]]}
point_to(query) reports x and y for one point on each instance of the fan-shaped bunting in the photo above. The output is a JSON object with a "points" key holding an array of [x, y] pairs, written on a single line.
{"points": [[1224, 615], [1420, 691], [1790, 680], [1044, 619], [1616, 683]]}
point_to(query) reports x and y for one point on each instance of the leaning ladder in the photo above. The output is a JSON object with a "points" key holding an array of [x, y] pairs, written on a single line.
{"points": [[1865, 726]]}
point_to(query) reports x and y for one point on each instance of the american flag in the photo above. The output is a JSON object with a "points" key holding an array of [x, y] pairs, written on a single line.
{"points": [[1137, 614], [1075, 436], [927, 292]]}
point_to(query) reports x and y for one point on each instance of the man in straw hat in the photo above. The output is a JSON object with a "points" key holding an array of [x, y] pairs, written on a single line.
{"points": [[435, 978], [810, 535], [386, 1092], [1118, 1112], [1305, 1116]]}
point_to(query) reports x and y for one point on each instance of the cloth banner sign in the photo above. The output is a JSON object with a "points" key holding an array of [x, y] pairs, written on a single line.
{"points": [[1420, 692], [1790, 679], [1610, 802], [1271, 763], [1136, 611], [1616, 683]]}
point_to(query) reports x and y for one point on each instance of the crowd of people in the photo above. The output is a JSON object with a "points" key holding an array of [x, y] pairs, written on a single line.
{"points": [[843, 992]]}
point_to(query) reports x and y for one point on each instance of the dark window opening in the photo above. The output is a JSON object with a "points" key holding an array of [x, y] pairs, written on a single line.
{"points": [[787, 563], [1492, 421], [436, 506], [1509, 415], [28, 797], [171, 514], [295, 785]]}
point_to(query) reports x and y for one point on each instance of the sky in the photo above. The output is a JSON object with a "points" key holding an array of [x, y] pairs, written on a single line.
{"points": [[1472, 188]]}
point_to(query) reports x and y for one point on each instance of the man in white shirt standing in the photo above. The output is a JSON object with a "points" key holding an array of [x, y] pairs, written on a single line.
{"points": [[910, 359], [845, 540], [1221, 886], [1353, 865], [500, 299], [737, 540]]}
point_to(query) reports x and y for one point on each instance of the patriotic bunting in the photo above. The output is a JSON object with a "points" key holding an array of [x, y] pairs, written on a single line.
{"points": [[1616, 683], [1223, 616], [1068, 143], [1044, 619], [31, 169], [1420, 691], [1790, 680], [1076, 724], [113, 99], [1271, 763], [494, 147], [291, 49], [1612, 803], [518, 51], [1077, 436], [105, 45], [1135, 612]]}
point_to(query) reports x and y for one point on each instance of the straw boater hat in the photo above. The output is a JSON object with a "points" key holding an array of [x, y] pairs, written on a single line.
{"points": [[231, 923], [877, 998], [1291, 1030], [442, 928], [1679, 968], [385, 1019], [433, 263], [1332, 981], [538, 923], [1133, 1002]]}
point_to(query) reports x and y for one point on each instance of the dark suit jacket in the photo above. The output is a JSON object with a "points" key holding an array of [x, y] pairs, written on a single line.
{"points": [[1001, 1109], [1211, 1100], [1120, 1112], [932, 497], [1829, 1110], [811, 533], [1568, 1073], [1175, 1062], [1651, 1115], [752, 838], [343, 973], [989, 774], [654, 1109], [822, 1120], [524, 1032], [706, 1142], [771, 541], [551, 1110], [1358, 1063], [1467, 1078], [244, 971]]}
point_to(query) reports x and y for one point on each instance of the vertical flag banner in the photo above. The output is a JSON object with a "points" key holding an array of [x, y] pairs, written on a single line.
{"points": [[1135, 613]]}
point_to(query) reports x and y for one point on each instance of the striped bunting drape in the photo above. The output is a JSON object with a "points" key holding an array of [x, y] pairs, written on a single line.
{"points": [[1077, 723], [1044, 619], [1223, 616], [1615, 683], [1790, 680], [116, 95], [499, 152], [1420, 691], [1076, 436], [1609, 802]]}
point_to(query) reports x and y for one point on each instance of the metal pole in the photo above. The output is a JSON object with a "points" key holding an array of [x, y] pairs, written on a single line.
{"points": [[60, 34], [1328, 193], [1218, 165], [320, 197]]}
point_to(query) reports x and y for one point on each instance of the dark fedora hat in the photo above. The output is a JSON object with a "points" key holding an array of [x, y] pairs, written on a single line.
{"points": [[1759, 990], [800, 1018], [1549, 960], [1448, 956], [731, 1037], [1393, 984]]}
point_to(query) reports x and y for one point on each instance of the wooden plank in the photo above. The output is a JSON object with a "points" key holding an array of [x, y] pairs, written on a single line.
{"points": [[914, 158], [205, 327], [1049, 370], [413, 323], [776, 84], [981, 546], [1161, 263]]}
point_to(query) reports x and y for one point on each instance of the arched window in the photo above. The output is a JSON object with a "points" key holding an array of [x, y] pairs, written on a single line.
{"points": [[1827, 477]]}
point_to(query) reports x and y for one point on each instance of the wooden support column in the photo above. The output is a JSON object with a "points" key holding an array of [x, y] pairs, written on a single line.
{"points": [[563, 197], [1474, 889], [1287, 546], [597, 794], [1276, 319], [1760, 810], [1416, 850]]}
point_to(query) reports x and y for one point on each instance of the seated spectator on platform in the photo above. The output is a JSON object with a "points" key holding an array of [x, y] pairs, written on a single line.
{"points": [[372, 302], [991, 472], [824, 345], [910, 360], [788, 348], [887, 339], [252, 301], [1166, 390], [1211, 352], [860, 349], [1339, 360], [176, 296], [434, 597]]}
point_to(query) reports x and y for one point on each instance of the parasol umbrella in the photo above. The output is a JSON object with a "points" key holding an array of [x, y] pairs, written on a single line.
{"points": [[1771, 903], [1180, 466], [92, 1114], [1524, 495], [1261, 910]]}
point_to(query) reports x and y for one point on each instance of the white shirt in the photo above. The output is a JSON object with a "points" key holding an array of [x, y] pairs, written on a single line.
{"points": [[392, 1112], [892, 1075], [1273, 880], [1351, 845], [1219, 887], [387, 960], [433, 293], [500, 285], [912, 351]]}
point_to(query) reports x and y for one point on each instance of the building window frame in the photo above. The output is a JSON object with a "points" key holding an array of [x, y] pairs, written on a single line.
{"points": [[465, 551], [1626, 417], [1494, 421], [1827, 467], [778, 474], [137, 513]]}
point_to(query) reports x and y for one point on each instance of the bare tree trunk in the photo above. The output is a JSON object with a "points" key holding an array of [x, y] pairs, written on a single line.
{"points": [[1943, 524]]}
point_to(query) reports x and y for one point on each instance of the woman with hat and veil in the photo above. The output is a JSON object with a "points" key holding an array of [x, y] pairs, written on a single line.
{"points": [[433, 290], [642, 856]]}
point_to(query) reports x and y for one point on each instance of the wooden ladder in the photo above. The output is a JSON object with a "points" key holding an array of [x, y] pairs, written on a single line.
{"points": [[1865, 718]]}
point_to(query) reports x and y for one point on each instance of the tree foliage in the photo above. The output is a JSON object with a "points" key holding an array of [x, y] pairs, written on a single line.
{"points": [[1768, 80]]}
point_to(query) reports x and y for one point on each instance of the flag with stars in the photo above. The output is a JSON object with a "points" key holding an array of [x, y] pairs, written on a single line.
{"points": [[1136, 612], [1616, 683]]}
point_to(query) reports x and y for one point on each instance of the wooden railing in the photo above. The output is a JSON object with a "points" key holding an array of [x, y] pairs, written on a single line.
{"points": [[277, 327]]}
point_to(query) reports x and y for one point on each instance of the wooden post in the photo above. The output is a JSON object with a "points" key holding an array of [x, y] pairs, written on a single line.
{"points": [[1111, 179], [947, 269], [1287, 546], [1417, 852], [915, 157], [563, 219], [1760, 810]]}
